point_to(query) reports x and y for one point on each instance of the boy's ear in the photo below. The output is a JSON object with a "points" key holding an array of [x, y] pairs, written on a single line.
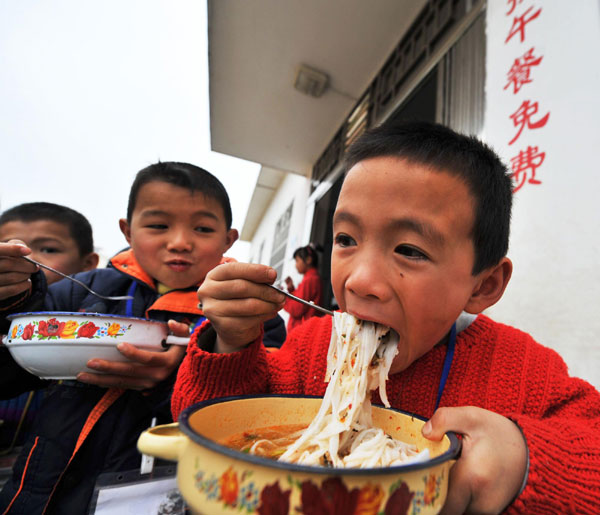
{"points": [[125, 229], [490, 287], [230, 238], [90, 262]]}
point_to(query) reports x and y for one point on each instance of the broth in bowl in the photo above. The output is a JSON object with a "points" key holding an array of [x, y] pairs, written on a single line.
{"points": [[270, 442]]}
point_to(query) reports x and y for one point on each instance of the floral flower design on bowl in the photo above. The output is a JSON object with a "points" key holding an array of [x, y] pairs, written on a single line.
{"points": [[53, 329], [240, 491]]}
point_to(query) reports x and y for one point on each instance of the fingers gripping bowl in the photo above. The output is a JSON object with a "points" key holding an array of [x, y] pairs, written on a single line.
{"points": [[58, 345], [214, 478]]}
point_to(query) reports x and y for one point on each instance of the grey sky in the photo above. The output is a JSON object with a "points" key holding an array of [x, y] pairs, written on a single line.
{"points": [[91, 92]]}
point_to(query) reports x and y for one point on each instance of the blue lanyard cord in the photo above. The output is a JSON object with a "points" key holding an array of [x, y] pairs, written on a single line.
{"points": [[198, 322], [447, 364], [129, 305]]}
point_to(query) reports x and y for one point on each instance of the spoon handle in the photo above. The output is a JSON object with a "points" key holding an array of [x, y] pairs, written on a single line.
{"points": [[308, 303], [83, 285]]}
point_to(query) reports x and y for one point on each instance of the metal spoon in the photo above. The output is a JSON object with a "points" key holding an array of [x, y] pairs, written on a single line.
{"points": [[308, 303], [105, 297]]}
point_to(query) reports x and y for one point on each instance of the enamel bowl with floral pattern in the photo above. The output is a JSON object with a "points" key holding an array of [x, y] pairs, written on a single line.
{"points": [[215, 479], [58, 345]]}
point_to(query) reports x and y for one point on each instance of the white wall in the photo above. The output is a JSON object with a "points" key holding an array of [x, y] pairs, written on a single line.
{"points": [[554, 293]]}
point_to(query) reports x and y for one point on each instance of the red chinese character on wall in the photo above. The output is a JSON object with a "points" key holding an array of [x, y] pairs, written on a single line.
{"points": [[527, 160], [519, 23], [522, 117], [520, 71], [513, 6]]}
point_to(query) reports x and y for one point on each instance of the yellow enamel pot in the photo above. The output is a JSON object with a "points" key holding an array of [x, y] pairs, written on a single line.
{"points": [[214, 479]]}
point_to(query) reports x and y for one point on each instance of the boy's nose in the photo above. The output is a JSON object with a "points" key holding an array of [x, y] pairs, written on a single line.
{"points": [[368, 279], [179, 242]]}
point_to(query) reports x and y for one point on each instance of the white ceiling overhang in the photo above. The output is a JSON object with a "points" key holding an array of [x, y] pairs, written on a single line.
{"points": [[255, 48]]}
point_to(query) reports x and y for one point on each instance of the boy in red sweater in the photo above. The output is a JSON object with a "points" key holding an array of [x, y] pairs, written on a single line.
{"points": [[421, 233]]}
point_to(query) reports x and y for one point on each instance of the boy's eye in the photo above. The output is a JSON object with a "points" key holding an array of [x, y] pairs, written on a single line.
{"points": [[410, 252], [204, 228], [49, 250], [343, 240], [157, 226]]}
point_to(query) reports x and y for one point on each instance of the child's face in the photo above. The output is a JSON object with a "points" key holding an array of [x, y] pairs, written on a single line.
{"points": [[177, 236], [51, 243], [301, 265], [402, 253]]}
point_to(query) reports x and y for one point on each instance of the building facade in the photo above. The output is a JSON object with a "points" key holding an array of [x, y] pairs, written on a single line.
{"points": [[516, 73]]}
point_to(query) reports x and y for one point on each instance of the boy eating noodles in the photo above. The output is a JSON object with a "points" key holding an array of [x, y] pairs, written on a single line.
{"points": [[178, 227], [421, 232]]}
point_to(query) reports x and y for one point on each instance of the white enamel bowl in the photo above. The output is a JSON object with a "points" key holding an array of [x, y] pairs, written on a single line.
{"points": [[58, 345]]}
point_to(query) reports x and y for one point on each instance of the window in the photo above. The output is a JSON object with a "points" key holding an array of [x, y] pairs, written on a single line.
{"points": [[282, 229], [261, 252]]}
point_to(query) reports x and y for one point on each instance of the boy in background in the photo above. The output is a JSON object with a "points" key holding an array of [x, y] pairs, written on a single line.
{"points": [[178, 226], [421, 232], [62, 238], [58, 236]]}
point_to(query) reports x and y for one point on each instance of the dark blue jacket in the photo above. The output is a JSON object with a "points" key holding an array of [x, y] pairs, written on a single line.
{"points": [[47, 462]]}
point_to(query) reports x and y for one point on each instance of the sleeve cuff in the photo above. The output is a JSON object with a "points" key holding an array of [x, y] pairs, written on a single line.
{"points": [[526, 475], [207, 339]]}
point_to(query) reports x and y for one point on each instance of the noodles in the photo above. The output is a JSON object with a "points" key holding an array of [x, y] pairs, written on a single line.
{"points": [[342, 434]]}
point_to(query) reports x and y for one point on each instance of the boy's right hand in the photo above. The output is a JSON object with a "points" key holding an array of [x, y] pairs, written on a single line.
{"points": [[236, 300], [15, 273]]}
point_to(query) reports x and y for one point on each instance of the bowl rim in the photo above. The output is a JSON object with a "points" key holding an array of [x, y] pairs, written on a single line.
{"points": [[81, 314], [70, 343], [184, 424]]}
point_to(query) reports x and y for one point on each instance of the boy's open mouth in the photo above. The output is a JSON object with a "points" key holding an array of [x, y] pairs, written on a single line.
{"points": [[365, 317], [179, 265]]}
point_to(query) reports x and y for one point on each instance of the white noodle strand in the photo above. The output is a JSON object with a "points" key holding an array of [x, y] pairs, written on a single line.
{"points": [[342, 434]]}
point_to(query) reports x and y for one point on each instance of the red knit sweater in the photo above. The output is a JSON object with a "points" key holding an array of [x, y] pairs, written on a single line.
{"points": [[495, 367], [310, 288]]}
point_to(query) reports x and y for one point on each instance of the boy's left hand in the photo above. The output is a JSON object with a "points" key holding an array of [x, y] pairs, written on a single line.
{"points": [[145, 370], [491, 468]]}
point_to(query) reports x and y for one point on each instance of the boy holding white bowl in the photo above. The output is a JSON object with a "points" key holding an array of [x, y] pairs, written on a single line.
{"points": [[178, 226]]}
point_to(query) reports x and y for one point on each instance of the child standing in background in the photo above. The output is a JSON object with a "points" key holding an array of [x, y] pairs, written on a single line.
{"points": [[310, 288]]}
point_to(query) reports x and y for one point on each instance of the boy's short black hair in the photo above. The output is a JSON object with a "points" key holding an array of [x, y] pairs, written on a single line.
{"points": [[465, 157], [184, 175], [79, 227]]}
